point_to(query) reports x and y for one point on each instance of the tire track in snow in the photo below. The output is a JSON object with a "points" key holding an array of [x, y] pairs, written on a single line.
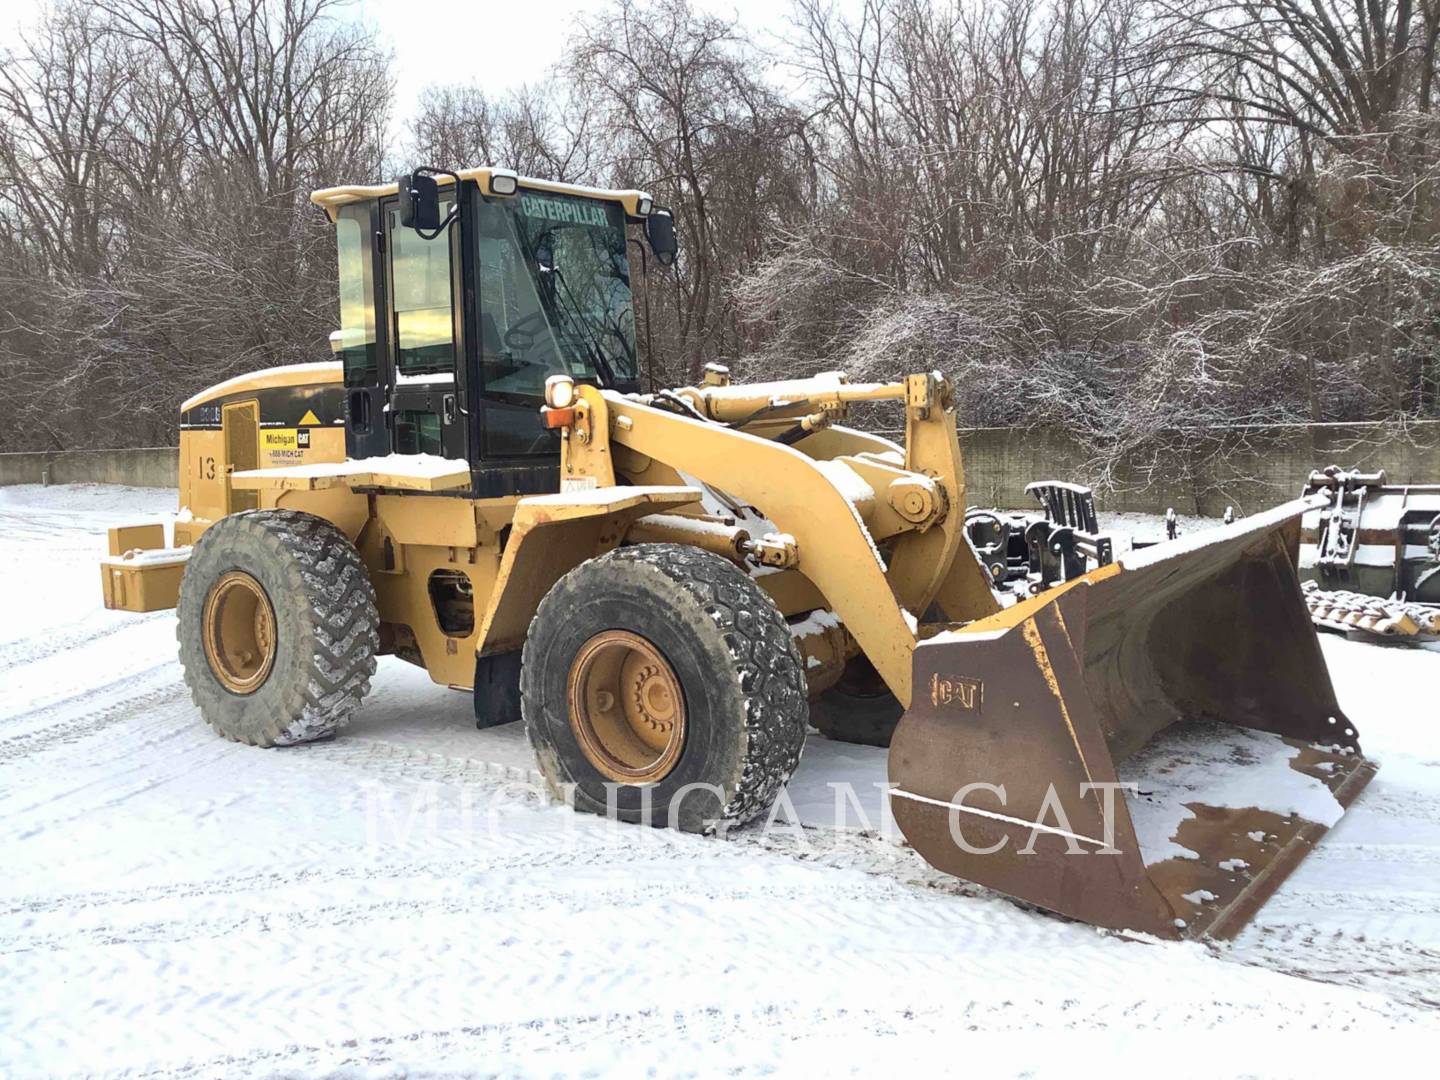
{"points": [[1367, 900], [154, 773], [1400, 803], [879, 857], [869, 854], [374, 754], [694, 1033], [24, 651], [86, 695], [339, 916], [68, 728], [1394, 967], [472, 862], [103, 772], [1400, 854]]}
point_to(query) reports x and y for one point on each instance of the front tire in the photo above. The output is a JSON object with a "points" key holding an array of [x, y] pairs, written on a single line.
{"points": [[277, 627], [660, 684]]}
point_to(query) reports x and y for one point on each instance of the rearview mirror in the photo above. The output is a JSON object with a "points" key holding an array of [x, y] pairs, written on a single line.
{"points": [[660, 232], [419, 202]]}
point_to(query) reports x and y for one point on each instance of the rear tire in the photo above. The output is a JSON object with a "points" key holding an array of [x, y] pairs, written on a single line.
{"points": [[859, 708], [277, 627], [707, 660]]}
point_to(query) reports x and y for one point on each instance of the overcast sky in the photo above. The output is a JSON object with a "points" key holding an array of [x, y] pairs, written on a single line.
{"points": [[499, 45], [509, 43]]}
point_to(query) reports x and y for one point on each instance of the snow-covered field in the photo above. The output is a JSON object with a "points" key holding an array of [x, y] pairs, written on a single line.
{"points": [[399, 900]]}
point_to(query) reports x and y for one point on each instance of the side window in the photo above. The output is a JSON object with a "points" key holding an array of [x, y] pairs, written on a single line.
{"points": [[357, 296], [423, 300]]}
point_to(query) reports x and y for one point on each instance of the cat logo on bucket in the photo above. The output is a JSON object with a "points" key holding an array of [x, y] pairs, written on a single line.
{"points": [[957, 691]]}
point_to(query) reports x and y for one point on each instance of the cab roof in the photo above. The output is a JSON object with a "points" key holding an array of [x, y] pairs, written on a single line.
{"points": [[332, 198]]}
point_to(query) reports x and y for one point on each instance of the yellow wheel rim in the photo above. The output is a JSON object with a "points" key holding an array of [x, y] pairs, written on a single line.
{"points": [[627, 710], [239, 632]]}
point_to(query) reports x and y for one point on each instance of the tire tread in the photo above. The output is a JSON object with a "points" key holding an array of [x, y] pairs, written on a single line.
{"points": [[765, 663], [341, 615]]}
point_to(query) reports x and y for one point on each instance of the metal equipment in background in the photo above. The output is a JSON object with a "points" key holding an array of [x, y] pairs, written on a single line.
{"points": [[1375, 538], [1358, 615], [1037, 551], [1371, 557]]}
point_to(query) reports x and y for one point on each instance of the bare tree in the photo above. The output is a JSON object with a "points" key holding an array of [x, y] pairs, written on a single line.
{"points": [[537, 132], [681, 107], [158, 235], [1156, 224]]}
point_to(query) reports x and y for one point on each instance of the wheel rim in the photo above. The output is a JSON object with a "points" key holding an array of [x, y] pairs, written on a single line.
{"points": [[239, 632], [627, 709]]}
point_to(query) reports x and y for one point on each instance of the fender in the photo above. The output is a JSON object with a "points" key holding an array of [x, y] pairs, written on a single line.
{"points": [[550, 536]]}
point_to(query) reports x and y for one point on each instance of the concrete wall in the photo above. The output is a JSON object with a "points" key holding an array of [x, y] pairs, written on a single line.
{"points": [[1267, 466], [1264, 466], [150, 467]]}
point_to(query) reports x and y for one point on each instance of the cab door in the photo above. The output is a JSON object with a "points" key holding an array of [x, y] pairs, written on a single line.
{"points": [[361, 339], [426, 395]]}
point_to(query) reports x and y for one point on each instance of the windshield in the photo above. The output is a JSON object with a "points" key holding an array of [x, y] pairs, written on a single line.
{"points": [[554, 298], [554, 293]]}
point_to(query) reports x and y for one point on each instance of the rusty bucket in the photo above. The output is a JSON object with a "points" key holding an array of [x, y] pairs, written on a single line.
{"points": [[1153, 746]]}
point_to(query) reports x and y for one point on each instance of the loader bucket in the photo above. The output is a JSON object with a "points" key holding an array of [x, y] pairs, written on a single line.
{"points": [[1153, 746]]}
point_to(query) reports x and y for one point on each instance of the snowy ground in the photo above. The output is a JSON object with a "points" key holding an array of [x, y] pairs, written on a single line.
{"points": [[399, 901]]}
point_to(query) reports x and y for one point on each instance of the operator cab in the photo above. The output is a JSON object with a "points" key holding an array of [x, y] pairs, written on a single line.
{"points": [[461, 293]]}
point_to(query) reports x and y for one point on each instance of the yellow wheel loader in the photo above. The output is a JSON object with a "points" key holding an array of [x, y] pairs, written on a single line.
{"points": [[664, 585]]}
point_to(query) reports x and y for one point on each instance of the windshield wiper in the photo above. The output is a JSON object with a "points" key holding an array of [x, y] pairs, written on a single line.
{"points": [[594, 353], [591, 342]]}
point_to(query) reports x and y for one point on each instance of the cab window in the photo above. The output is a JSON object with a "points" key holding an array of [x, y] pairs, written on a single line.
{"points": [[554, 297], [423, 300], [357, 296]]}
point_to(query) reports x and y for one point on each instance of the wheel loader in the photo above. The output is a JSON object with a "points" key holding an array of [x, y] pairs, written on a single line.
{"points": [[668, 586]]}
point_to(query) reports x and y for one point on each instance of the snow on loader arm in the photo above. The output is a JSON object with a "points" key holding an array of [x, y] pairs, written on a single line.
{"points": [[1153, 746]]}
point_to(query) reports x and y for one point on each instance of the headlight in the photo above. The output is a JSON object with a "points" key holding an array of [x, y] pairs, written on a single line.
{"points": [[503, 182], [644, 205], [559, 391]]}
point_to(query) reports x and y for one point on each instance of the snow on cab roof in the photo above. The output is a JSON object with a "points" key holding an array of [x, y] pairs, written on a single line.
{"points": [[332, 198]]}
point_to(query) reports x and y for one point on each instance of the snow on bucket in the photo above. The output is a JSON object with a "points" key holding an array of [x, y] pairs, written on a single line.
{"points": [[1153, 746]]}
